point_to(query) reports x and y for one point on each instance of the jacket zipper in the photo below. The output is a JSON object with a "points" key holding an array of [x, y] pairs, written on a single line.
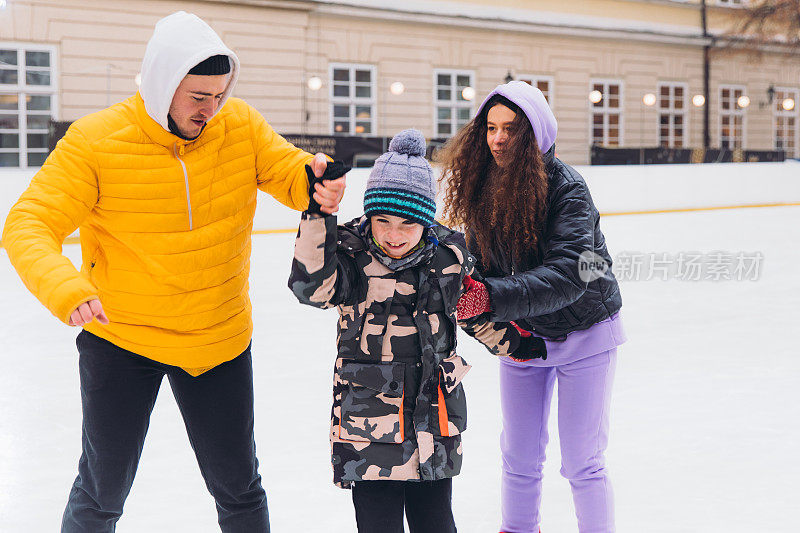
{"points": [[186, 181]]}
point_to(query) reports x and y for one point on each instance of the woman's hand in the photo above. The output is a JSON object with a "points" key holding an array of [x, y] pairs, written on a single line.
{"points": [[474, 301]]}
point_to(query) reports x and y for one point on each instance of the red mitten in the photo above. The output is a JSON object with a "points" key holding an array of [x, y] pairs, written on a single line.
{"points": [[522, 332], [474, 301]]}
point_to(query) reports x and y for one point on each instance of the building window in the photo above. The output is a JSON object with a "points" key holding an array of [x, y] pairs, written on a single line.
{"points": [[787, 127], [733, 3], [27, 104], [543, 83], [352, 99], [607, 113], [731, 117], [672, 114], [453, 106]]}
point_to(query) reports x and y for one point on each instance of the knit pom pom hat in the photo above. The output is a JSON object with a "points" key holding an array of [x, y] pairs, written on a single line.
{"points": [[401, 182]]}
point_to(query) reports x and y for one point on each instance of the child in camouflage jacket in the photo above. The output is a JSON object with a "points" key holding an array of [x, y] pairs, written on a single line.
{"points": [[395, 277]]}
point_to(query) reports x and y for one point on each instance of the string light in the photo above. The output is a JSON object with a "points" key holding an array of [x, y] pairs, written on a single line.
{"points": [[743, 101], [315, 83], [397, 88]]}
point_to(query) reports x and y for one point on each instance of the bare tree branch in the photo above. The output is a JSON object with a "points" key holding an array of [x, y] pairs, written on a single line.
{"points": [[767, 22]]}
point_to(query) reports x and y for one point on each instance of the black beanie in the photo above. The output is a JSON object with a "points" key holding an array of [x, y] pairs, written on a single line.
{"points": [[213, 66]]}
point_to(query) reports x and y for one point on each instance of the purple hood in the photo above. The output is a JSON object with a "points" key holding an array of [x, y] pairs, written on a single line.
{"points": [[532, 102]]}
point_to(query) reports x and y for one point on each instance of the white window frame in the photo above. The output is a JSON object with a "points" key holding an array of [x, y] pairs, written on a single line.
{"points": [[534, 78], [732, 113], [778, 111], [353, 100], [672, 111], [733, 3], [455, 104], [604, 110], [22, 90]]}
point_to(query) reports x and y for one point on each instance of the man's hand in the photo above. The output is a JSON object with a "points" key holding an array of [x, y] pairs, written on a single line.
{"points": [[86, 312], [329, 193]]}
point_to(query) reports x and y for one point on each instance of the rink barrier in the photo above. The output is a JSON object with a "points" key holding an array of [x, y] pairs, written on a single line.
{"points": [[76, 240], [691, 209]]}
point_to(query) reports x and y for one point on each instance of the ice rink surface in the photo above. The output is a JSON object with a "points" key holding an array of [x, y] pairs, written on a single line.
{"points": [[705, 433]]}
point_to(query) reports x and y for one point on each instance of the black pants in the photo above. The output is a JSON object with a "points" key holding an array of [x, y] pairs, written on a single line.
{"points": [[380, 504], [118, 390]]}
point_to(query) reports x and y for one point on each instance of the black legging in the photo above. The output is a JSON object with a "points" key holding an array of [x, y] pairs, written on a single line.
{"points": [[428, 506]]}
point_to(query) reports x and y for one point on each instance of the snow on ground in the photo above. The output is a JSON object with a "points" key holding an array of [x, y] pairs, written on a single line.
{"points": [[704, 421], [626, 188], [614, 189]]}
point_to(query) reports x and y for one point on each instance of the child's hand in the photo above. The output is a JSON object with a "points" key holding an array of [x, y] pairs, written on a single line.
{"points": [[474, 301], [530, 344], [326, 185], [524, 333]]}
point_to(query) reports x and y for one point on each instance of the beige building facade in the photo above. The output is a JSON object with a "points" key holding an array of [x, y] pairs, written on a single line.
{"points": [[616, 72]]}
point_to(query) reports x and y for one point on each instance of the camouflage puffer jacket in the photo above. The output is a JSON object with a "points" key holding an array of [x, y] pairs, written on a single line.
{"points": [[398, 402]]}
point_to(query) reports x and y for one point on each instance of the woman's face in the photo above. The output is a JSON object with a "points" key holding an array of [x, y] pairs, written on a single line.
{"points": [[498, 130], [396, 235]]}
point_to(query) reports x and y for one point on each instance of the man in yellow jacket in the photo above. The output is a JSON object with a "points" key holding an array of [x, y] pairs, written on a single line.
{"points": [[163, 188]]}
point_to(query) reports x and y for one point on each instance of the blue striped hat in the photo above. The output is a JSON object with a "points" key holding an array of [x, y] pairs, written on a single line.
{"points": [[401, 182]]}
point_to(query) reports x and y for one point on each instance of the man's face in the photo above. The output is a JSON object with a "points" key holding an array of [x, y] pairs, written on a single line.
{"points": [[195, 102]]}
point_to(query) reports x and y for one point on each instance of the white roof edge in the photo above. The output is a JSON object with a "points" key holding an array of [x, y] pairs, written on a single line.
{"points": [[454, 12], [574, 28], [448, 12]]}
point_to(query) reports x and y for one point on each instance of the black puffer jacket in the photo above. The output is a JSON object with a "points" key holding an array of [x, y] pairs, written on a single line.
{"points": [[545, 292]]}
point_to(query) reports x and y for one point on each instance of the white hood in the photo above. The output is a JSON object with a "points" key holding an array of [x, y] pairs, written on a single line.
{"points": [[179, 42]]}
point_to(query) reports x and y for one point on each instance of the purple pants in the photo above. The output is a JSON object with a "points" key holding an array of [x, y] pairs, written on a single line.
{"points": [[584, 393]]}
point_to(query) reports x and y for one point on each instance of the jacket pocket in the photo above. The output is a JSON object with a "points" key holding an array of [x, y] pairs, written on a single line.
{"points": [[372, 402], [452, 402], [92, 269]]}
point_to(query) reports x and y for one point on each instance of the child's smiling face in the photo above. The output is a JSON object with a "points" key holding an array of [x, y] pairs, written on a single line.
{"points": [[396, 235]]}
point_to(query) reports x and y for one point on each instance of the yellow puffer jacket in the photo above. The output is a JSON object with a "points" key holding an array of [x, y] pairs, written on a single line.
{"points": [[165, 228]]}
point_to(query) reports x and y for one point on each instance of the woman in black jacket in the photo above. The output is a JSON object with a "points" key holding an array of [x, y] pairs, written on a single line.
{"points": [[535, 232]]}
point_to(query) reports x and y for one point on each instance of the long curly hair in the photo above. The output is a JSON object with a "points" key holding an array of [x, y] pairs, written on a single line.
{"points": [[503, 208]]}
